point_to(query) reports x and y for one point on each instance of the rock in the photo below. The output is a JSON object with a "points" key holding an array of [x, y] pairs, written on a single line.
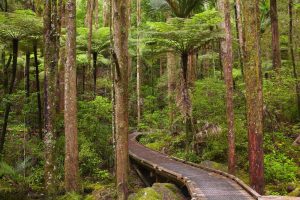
{"points": [[295, 192], [159, 191]]}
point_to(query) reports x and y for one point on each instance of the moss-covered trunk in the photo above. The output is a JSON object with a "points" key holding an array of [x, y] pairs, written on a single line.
{"points": [[254, 95]]}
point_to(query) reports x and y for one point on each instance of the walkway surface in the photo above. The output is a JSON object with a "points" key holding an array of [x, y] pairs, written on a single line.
{"points": [[202, 184]]}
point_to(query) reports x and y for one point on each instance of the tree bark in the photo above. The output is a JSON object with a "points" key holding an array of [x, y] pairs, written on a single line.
{"points": [[292, 53], [172, 68], [15, 44], [95, 55], [5, 72], [192, 64], [27, 86], [27, 74], [276, 54], [121, 14], [70, 114], [38, 90], [106, 13], [50, 64], [227, 60], [186, 102], [139, 64], [96, 14], [239, 31], [254, 95]]}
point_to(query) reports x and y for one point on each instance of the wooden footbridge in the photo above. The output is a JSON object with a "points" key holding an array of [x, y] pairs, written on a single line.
{"points": [[200, 183]]}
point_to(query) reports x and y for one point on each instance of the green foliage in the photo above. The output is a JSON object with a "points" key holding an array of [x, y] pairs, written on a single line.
{"points": [[280, 168], [19, 25], [208, 100], [94, 125], [71, 196], [279, 97], [184, 35]]}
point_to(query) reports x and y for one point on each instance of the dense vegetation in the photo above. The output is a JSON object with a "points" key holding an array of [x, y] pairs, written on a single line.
{"points": [[172, 78]]}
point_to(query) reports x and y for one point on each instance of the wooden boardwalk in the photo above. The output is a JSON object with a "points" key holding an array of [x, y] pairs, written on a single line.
{"points": [[202, 183]]}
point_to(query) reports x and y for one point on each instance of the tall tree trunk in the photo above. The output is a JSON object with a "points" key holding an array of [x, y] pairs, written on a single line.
{"points": [[186, 102], [27, 86], [254, 95], [70, 114], [5, 72], [276, 54], [61, 56], [15, 44], [240, 34], [90, 37], [121, 14], [106, 13], [27, 74], [83, 78], [172, 69], [192, 64], [161, 66], [95, 55], [227, 59], [38, 89], [292, 54], [96, 14], [5, 6], [50, 64], [60, 81], [139, 65]]}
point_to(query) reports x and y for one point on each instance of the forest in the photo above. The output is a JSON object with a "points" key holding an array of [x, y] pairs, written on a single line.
{"points": [[149, 99]]}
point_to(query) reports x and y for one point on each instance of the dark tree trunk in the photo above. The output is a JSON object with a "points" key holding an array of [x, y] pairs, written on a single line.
{"points": [[27, 73], [38, 90], [5, 6], [83, 78], [95, 55], [27, 86], [5, 73], [292, 54], [227, 60], [276, 54], [10, 91], [254, 94]]}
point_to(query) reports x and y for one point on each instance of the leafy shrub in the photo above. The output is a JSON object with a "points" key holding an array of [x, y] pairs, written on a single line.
{"points": [[279, 168]]}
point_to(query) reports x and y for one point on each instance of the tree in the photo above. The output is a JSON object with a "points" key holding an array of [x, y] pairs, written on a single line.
{"points": [[227, 59], [139, 63], [50, 64], [239, 28], [292, 53], [120, 23], [276, 54], [183, 36], [13, 28], [254, 95], [70, 114]]}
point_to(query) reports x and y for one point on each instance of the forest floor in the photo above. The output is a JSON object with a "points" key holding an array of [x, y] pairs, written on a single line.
{"points": [[174, 146]]}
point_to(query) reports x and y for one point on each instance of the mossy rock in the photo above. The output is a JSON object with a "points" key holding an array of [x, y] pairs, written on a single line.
{"points": [[295, 193], [159, 191]]}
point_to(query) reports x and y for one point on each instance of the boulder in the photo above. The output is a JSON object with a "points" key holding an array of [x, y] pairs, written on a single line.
{"points": [[159, 191]]}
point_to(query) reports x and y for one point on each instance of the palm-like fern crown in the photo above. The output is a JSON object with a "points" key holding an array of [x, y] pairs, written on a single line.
{"points": [[19, 25]]}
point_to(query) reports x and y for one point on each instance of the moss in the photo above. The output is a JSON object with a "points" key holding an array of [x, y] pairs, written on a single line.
{"points": [[295, 193], [71, 196], [146, 194], [159, 191]]}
